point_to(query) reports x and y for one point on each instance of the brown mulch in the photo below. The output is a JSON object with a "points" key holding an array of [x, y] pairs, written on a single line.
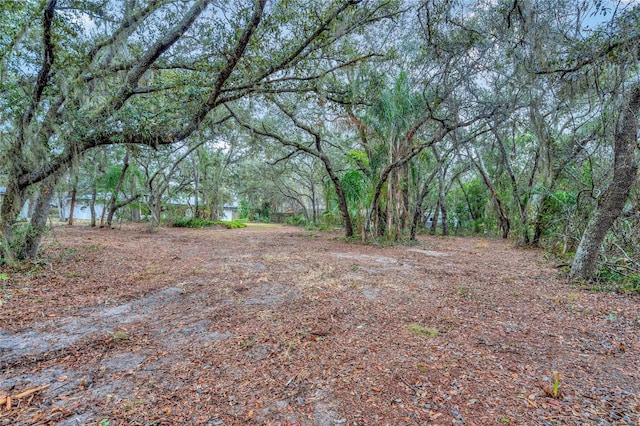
{"points": [[281, 326]]}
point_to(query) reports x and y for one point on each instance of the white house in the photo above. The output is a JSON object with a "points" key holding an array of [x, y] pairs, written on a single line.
{"points": [[82, 209], [228, 211]]}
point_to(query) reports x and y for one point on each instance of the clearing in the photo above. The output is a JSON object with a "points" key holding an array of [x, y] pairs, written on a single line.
{"points": [[281, 326]]}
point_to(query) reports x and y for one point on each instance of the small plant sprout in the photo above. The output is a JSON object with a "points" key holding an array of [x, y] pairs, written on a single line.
{"points": [[248, 342], [554, 390], [464, 292]]}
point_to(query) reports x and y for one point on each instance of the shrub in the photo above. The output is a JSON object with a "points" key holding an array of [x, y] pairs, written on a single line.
{"points": [[234, 224], [297, 220], [192, 222], [197, 223], [617, 277]]}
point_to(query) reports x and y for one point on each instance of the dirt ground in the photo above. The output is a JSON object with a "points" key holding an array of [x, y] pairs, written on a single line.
{"points": [[274, 325]]}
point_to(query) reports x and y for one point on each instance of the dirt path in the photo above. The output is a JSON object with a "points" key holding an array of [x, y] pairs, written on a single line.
{"points": [[279, 326]]}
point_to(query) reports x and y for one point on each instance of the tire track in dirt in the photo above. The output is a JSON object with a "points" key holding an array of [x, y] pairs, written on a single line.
{"points": [[57, 335]]}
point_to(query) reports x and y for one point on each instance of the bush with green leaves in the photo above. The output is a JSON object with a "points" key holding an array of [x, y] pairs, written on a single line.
{"points": [[297, 220], [233, 224], [20, 231], [619, 278], [198, 223]]}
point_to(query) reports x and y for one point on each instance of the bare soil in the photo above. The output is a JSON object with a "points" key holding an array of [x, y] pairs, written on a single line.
{"points": [[274, 325]]}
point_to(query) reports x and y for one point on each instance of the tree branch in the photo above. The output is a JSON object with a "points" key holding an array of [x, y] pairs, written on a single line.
{"points": [[102, 138], [150, 56], [285, 158], [224, 75], [47, 63], [129, 24]]}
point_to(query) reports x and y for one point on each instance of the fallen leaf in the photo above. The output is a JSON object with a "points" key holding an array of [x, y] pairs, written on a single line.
{"points": [[30, 391], [554, 402]]}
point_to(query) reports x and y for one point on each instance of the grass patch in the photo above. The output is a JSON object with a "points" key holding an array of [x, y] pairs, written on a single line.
{"points": [[119, 336], [420, 330], [4, 277], [573, 297]]}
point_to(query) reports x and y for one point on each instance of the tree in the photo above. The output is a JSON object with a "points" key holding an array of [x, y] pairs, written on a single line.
{"points": [[116, 184], [612, 202], [393, 123], [135, 79], [308, 141], [603, 67]]}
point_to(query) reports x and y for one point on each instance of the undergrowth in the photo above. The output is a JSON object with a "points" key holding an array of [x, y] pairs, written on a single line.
{"points": [[619, 278], [197, 223], [622, 275]]}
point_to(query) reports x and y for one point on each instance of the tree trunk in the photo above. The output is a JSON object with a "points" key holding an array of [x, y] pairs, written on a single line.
{"points": [[522, 209], [314, 206], [503, 220], [62, 212], [92, 204], [214, 202], [375, 212], [72, 203], [472, 216], [442, 201], [342, 201], [156, 208], [434, 218], [625, 169], [11, 206], [404, 188], [38, 220], [444, 215], [389, 207], [539, 224], [417, 213], [102, 215], [32, 202], [113, 204], [196, 191]]}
